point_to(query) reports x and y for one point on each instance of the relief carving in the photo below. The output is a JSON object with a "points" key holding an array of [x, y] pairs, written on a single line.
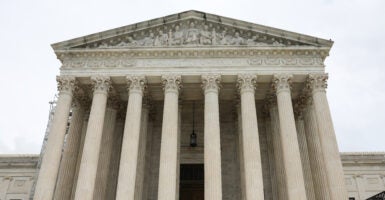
{"points": [[191, 33]]}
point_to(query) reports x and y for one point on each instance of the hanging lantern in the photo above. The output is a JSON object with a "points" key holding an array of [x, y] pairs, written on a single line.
{"points": [[193, 136]]}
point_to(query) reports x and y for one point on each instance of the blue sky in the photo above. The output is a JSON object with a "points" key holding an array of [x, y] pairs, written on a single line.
{"points": [[28, 65]]}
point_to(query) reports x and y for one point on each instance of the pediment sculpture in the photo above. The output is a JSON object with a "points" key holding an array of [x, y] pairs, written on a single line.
{"points": [[192, 34]]}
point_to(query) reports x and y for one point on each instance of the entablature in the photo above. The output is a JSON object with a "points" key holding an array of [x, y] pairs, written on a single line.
{"points": [[190, 60]]}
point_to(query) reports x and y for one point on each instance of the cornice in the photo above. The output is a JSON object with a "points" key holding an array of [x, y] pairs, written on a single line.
{"points": [[203, 51]]}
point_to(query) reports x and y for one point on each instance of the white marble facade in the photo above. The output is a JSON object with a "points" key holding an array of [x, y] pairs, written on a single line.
{"points": [[259, 95]]}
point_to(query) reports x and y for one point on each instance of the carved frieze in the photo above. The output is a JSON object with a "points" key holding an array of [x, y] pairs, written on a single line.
{"points": [[123, 61], [191, 33]]}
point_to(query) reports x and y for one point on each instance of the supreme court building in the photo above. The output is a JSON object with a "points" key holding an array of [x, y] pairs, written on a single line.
{"points": [[192, 106]]}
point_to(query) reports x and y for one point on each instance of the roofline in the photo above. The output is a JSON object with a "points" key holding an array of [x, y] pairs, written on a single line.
{"points": [[192, 14]]}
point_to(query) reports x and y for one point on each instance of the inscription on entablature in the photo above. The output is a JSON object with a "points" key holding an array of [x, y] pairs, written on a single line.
{"points": [[125, 62]]}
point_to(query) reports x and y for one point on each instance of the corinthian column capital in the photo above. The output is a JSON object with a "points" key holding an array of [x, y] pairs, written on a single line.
{"points": [[171, 83], [66, 84], [136, 83], [211, 82], [282, 82], [101, 83], [247, 83], [317, 82]]}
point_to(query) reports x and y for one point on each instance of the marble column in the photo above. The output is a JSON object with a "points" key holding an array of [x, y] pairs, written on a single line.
{"points": [[106, 148], [115, 157], [79, 158], [277, 146], [334, 172], [50, 164], [295, 185], [212, 145], [316, 159], [70, 154], [90, 157], [301, 135], [240, 145], [250, 138], [169, 163], [131, 135], [270, 153], [142, 152]]}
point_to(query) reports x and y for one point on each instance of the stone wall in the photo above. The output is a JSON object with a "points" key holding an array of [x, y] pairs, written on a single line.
{"points": [[364, 173], [17, 174]]}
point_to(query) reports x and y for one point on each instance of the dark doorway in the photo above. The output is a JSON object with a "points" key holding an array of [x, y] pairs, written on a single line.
{"points": [[191, 182]]}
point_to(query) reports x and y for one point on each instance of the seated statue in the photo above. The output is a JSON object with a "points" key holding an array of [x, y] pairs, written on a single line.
{"points": [[205, 36], [192, 35]]}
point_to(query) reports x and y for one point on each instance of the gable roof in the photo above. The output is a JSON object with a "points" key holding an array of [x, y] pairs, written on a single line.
{"points": [[219, 30]]}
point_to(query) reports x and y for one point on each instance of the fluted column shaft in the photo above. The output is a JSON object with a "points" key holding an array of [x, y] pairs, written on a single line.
{"points": [[90, 157], [70, 154], [301, 135], [169, 163], [250, 138], [278, 152], [333, 165], [79, 158], [130, 143], [212, 145], [50, 164], [316, 159], [270, 152], [106, 149], [115, 157], [295, 185], [142, 153], [240, 145]]}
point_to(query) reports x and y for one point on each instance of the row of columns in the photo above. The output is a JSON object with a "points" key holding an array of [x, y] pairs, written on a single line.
{"points": [[288, 138]]}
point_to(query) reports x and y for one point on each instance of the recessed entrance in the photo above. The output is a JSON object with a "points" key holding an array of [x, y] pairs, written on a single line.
{"points": [[191, 182]]}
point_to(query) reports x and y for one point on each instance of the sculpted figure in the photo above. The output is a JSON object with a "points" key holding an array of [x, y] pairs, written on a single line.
{"points": [[192, 35], [205, 36], [213, 37], [223, 39], [252, 40], [161, 39], [178, 36], [276, 43], [237, 39], [170, 39], [149, 41], [130, 42]]}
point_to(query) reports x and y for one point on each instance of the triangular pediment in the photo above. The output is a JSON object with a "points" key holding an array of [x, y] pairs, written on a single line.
{"points": [[191, 29]]}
